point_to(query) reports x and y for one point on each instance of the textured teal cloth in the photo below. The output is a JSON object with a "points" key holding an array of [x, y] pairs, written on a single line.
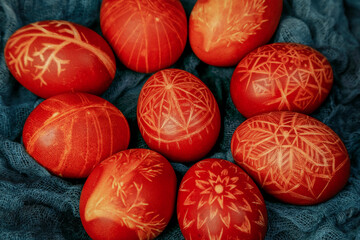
{"points": [[37, 205]]}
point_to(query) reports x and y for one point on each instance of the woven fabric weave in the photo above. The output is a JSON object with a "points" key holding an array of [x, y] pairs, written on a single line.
{"points": [[37, 205]]}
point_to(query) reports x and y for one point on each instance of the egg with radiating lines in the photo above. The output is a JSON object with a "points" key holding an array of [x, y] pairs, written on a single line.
{"points": [[70, 133], [130, 195], [281, 77], [53, 57], [218, 200], [146, 35], [178, 115], [292, 156], [222, 32]]}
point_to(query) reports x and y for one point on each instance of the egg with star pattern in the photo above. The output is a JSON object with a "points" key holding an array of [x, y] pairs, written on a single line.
{"points": [[218, 200], [292, 156]]}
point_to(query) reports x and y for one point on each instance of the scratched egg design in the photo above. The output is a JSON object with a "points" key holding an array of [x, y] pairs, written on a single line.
{"points": [[70, 133], [218, 200], [146, 35], [54, 57], [281, 77], [178, 115], [292, 156], [130, 195], [222, 32]]}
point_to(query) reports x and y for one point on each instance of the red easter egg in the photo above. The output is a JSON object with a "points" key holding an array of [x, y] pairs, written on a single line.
{"points": [[222, 32], [218, 200], [146, 35], [130, 195], [281, 77], [292, 156], [70, 133], [53, 57], [178, 115]]}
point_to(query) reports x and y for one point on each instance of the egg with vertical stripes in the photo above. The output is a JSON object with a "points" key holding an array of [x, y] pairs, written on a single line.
{"points": [[146, 35]]}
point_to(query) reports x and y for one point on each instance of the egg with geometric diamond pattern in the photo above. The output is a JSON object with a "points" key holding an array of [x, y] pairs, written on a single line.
{"points": [[281, 77]]}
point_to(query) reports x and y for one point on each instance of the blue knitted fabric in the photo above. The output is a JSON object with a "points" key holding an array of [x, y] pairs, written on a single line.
{"points": [[37, 205]]}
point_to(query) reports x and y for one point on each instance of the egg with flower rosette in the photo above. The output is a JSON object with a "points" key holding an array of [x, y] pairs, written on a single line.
{"points": [[281, 77], [292, 156], [146, 35], [53, 57], [70, 133], [222, 32], [178, 115], [218, 200], [130, 195]]}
